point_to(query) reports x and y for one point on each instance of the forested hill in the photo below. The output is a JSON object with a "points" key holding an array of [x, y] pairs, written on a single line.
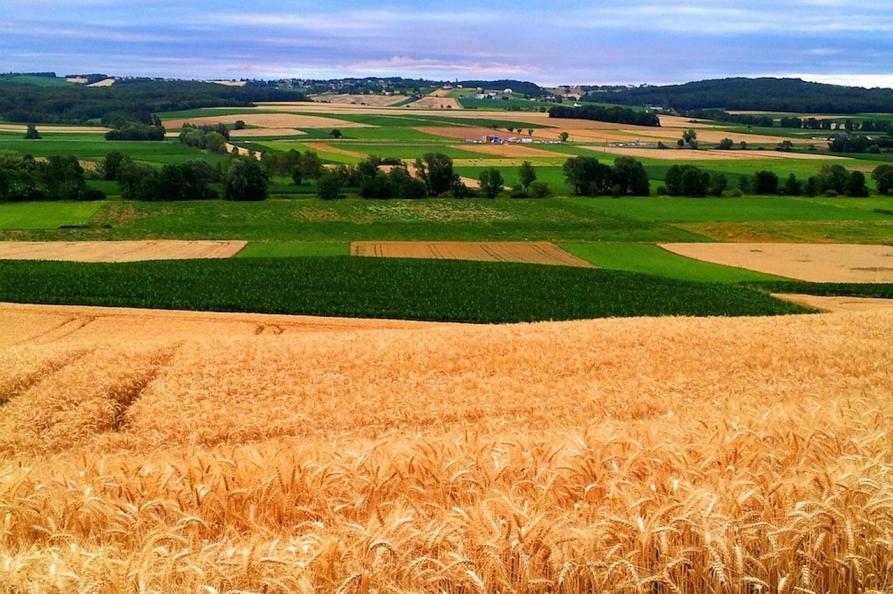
{"points": [[518, 86], [764, 94], [72, 104]]}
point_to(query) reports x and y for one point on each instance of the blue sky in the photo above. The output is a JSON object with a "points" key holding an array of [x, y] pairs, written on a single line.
{"points": [[602, 41]]}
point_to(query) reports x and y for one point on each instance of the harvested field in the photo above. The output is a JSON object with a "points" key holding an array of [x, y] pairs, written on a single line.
{"points": [[370, 100], [229, 83], [506, 150], [328, 148], [569, 458], [56, 129], [267, 120], [532, 252], [808, 262], [672, 154], [107, 82], [437, 103], [838, 304], [714, 136], [255, 132], [118, 251]]}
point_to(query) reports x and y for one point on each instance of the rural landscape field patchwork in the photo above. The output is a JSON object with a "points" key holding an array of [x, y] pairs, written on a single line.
{"points": [[384, 334]]}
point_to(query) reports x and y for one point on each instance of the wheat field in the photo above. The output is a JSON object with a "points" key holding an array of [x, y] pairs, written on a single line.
{"points": [[629, 456]]}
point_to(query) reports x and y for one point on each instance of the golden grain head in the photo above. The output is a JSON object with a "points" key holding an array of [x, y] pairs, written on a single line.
{"points": [[671, 455]]}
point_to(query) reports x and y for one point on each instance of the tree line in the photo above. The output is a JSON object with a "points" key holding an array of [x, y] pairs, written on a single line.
{"points": [[25, 178], [755, 94], [832, 180], [78, 104], [618, 115]]}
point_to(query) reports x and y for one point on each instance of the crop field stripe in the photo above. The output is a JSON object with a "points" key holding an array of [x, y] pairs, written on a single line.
{"points": [[438, 290]]}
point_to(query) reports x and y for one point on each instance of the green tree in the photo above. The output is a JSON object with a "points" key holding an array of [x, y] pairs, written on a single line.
{"points": [[240, 125], [492, 182], [687, 180], [563, 136], [329, 185], [726, 144], [31, 133], [436, 172], [527, 174], [856, 185], [336, 133], [883, 177], [718, 184], [630, 178], [539, 189], [215, 142], [690, 137], [793, 187], [832, 178], [587, 176], [766, 182], [245, 181], [112, 164]]}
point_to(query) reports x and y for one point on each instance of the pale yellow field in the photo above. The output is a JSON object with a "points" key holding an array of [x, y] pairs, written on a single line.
{"points": [[328, 148], [674, 154], [533, 252], [118, 251], [804, 261], [59, 129], [699, 456], [371, 100], [255, 132], [267, 120], [506, 150], [245, 152], [436, 102]]}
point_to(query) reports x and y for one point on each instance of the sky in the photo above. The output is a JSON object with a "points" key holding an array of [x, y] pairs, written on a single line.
{"points": [[554, 42]]}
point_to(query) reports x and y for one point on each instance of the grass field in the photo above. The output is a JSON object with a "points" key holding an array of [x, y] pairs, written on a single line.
{"points": [[46, 215], [379, 288], [651, 259], [93, 147]]}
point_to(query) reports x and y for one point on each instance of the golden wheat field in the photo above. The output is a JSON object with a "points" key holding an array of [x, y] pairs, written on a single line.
{"points": [[627, 456]]}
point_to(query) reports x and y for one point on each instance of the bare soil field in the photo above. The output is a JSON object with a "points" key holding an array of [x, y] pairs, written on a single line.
{"points": [[436, 102], [506, 150], [808, 262], [370, 100], [838, 304], [267, 120], [636, 455], [534, 252], [118, 251], [256, 132], [58, 129], [673, 154]]}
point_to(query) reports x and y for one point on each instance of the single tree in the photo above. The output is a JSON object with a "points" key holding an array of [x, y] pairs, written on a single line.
{"points": [[883, 177], [527, 174], [793, 187], [725, 144], [436, 172], [329, 185], [856, 185], [630, 178], [336, 133], [240, 125], [491, 182], [563, 136], [31, 133], [245, 180], [766, 182]]}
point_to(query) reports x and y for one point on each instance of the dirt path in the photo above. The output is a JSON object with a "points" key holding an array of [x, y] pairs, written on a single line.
{"points": [[837, 304]]}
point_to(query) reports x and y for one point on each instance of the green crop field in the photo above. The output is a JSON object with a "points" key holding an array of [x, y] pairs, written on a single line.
{"points": [[380, 288], [652, 259], [93, 147], [46, 215]]}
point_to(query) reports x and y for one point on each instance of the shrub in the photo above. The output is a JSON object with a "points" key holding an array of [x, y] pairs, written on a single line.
{"points": [[329, 185], [766, 182], [540, 189]]}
